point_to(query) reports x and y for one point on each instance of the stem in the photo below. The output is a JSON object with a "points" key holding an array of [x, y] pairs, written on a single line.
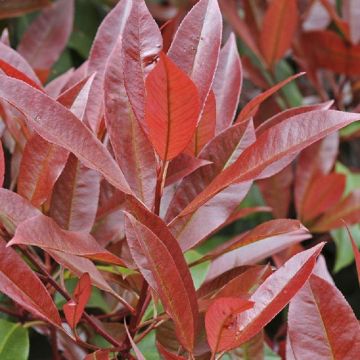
{"points": [[54, 346], [66, 295], [160, 186], [9, 312]]}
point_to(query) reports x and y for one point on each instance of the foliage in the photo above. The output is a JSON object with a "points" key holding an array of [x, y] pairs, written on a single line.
{"points": [[122, 179]]}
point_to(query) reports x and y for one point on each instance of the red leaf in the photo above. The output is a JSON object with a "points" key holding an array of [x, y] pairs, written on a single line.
{"points": [[275, 149], [47, 36], [43, 232], [164, 268], [58, 125], [355, 251], [205, 130], [141, 46], [223, 150], [108, 35], [182, 166], [317, 160], [40, 167], [227, 84], [75, 197], [11, 71], [172, 108], [252, 106], [326, 49], [74, 309], [10, 56], [18, 282], [316, 330], [347, 210], [220, 320], [278, 30], [196, 45], [323, 193], [132, 149], [273, 295]]}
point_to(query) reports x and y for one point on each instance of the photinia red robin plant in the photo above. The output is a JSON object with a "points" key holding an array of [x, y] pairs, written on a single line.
{"points": [[120, 172]]}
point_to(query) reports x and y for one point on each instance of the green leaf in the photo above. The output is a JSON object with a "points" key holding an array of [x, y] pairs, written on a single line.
{"points": [[148, 347], [198, 272], [14, 341], [344, 253], [352, 179], [269, 354]]}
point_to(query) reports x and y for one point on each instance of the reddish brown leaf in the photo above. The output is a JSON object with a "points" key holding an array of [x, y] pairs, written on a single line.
{"points": [[323, 193], [274, 231], [132, 149], [347, 210], [108, 35], [75, 197], [98, 355], [11, 8], [317, 160], [43, 232], [141, 46], [182, 166], [41, 165], [326, 49], [74, 308], [221, 318], [275, 149], [277, 191], [166, 354], [44, 114], [164, 268], [47, 36], [316, 330], [11, 71], [19, 283], [227, 84], [223, 150], [137, 351], [196, 45], [272, 296], [356, 252], [12, 57], [278, 29], [205, 130], [172, 108], [252, 106]]}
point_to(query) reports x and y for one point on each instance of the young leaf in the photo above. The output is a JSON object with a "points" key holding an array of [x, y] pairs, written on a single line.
{"points": [[43, 232], [196, 45], [132, 149], [272, 296], [40, 167], [221, 318], [278, 30], [347, 210], [39, 110], [316, 330], [356, 252], [275, 149], [252, 106], [227, 84], [20, 284], [171, 109], [316, 160], [47, 36], [164, 268], [14, 341], [74, 308], [324, 192]]}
